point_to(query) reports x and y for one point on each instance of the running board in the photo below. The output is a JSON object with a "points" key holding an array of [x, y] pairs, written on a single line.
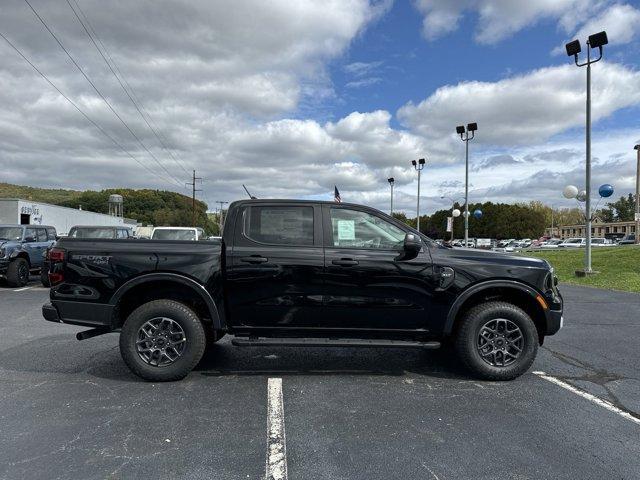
{"points": [[329, 342]]}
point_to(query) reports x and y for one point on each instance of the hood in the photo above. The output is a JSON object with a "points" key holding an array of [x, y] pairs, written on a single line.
{"points": [[487, 256]]}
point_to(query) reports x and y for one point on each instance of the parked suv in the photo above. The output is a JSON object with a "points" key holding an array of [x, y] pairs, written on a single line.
{"points": [[22, 249]]}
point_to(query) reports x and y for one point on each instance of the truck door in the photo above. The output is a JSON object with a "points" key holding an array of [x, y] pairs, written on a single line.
{"points": [[366, 286], [275, 266]]}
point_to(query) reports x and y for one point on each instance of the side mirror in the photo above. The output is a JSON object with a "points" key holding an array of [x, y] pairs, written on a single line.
{"points": [[411, 247]]}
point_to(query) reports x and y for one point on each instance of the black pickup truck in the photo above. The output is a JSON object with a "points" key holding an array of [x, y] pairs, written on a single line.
{"points": [[304, 273]]}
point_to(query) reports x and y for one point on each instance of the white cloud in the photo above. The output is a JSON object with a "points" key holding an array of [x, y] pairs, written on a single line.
{"points": [[526, 108], [497, 19], [620, 21]]}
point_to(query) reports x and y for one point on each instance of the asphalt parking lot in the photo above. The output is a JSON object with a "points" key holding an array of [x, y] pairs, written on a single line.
{"points": [[71, 409]]}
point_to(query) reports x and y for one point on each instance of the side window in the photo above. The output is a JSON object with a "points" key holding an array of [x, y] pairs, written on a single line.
{"points": [[30, 235], [51, 233], [352, 228], [279, 225], [120, 233], [42, 234]]}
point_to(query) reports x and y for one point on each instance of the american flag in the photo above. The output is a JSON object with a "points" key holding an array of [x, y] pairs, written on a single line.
{"points": [[336, 195]]}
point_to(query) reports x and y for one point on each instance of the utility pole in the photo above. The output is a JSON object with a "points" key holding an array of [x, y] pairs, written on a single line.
{"points": [[193, 197], [221, 219], [637, 235]]}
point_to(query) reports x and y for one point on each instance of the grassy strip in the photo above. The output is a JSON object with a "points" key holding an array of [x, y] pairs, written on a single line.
{"points": [[618, 267]]}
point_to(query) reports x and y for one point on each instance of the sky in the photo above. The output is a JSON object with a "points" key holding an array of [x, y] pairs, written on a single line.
{"points": [[292, 98]]}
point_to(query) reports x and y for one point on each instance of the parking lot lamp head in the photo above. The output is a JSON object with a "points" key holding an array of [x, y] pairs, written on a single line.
{"points": [[598, 40], [460, 130], [573, 49], [472, 127]]}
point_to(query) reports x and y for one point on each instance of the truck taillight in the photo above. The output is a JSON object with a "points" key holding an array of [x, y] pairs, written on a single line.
{"points": [[56, 272], [56, 255]]}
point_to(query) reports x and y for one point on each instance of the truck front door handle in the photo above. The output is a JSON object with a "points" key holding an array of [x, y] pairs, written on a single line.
{"points": [[345, 262], [254, 259]]}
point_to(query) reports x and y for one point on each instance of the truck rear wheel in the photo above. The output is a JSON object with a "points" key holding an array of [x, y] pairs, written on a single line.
{"points": [[44, 278], [497, 341], [162, 341], [18, 273]]}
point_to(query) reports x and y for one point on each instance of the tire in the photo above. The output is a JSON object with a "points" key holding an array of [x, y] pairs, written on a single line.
{"points": [[44, 278], [495, 316], [167, 316], [18, 273]]}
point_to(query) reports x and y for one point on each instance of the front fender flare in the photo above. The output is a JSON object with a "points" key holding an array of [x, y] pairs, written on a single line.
{"points": [[478, 287], [172, 277]]}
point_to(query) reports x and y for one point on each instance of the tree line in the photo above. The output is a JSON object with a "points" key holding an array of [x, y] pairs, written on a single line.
{"points": [[519, 220]]}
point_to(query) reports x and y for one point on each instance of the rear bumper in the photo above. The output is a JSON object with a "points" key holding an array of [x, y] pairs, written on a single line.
{"points": [[78, 313]]}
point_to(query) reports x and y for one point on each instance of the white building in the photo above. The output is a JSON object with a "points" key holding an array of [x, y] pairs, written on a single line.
{"points": [[27, 212]]}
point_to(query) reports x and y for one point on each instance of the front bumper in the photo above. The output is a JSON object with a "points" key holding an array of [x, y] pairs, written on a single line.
{"points": [[4, 264]]}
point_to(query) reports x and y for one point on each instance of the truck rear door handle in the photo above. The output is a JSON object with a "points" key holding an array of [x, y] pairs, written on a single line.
{"points": [[254, 259], [345, 262]]}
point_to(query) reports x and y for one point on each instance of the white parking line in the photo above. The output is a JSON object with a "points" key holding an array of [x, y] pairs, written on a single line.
{"points": [[592, 398], [21, 289], [276, 449]]}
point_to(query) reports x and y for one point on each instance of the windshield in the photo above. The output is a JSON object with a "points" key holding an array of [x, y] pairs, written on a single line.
{"points": [[11, 233], [171, 234], [92, 232]]}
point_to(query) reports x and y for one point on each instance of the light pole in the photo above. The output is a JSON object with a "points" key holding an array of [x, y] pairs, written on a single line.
{"points": [[637, 235], [596, 40], [454, 212], [464, 135], [391, 180], [419, 165]]}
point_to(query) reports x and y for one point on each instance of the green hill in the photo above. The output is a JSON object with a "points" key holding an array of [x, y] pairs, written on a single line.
{"points": [[154, 207], [46, 195]]}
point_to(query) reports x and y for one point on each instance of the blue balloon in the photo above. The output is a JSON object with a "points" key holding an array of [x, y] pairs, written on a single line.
{"points": [[605, 190], [478, 214]]}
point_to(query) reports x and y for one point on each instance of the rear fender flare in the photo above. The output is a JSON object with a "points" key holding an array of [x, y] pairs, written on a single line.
{"points": [[172, 277]]}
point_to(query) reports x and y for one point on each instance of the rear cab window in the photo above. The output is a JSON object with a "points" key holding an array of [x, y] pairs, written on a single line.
{"points": [[279, 225]]}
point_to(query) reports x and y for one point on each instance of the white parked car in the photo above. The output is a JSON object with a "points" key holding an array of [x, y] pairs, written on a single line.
{"points": [[573, 243], [484, 243], [553, 243], [178, 233]]}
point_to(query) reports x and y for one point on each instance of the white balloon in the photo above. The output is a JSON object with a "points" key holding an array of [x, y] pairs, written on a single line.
{"points": [[570, 191], [456, 212], [582, 196]]}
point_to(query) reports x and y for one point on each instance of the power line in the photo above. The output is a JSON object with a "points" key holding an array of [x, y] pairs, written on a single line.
{"points": [[102, 130], [100, 94], [91, 33]]}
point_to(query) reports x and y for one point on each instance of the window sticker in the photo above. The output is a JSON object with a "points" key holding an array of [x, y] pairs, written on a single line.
{"points": [[346, 230]]}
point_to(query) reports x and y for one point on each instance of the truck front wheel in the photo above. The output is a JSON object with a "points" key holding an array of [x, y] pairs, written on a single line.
{"points": [[162, 341], [497, 341]]}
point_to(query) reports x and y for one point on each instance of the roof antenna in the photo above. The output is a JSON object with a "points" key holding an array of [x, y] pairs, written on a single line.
{"points": [[250, 196]]}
